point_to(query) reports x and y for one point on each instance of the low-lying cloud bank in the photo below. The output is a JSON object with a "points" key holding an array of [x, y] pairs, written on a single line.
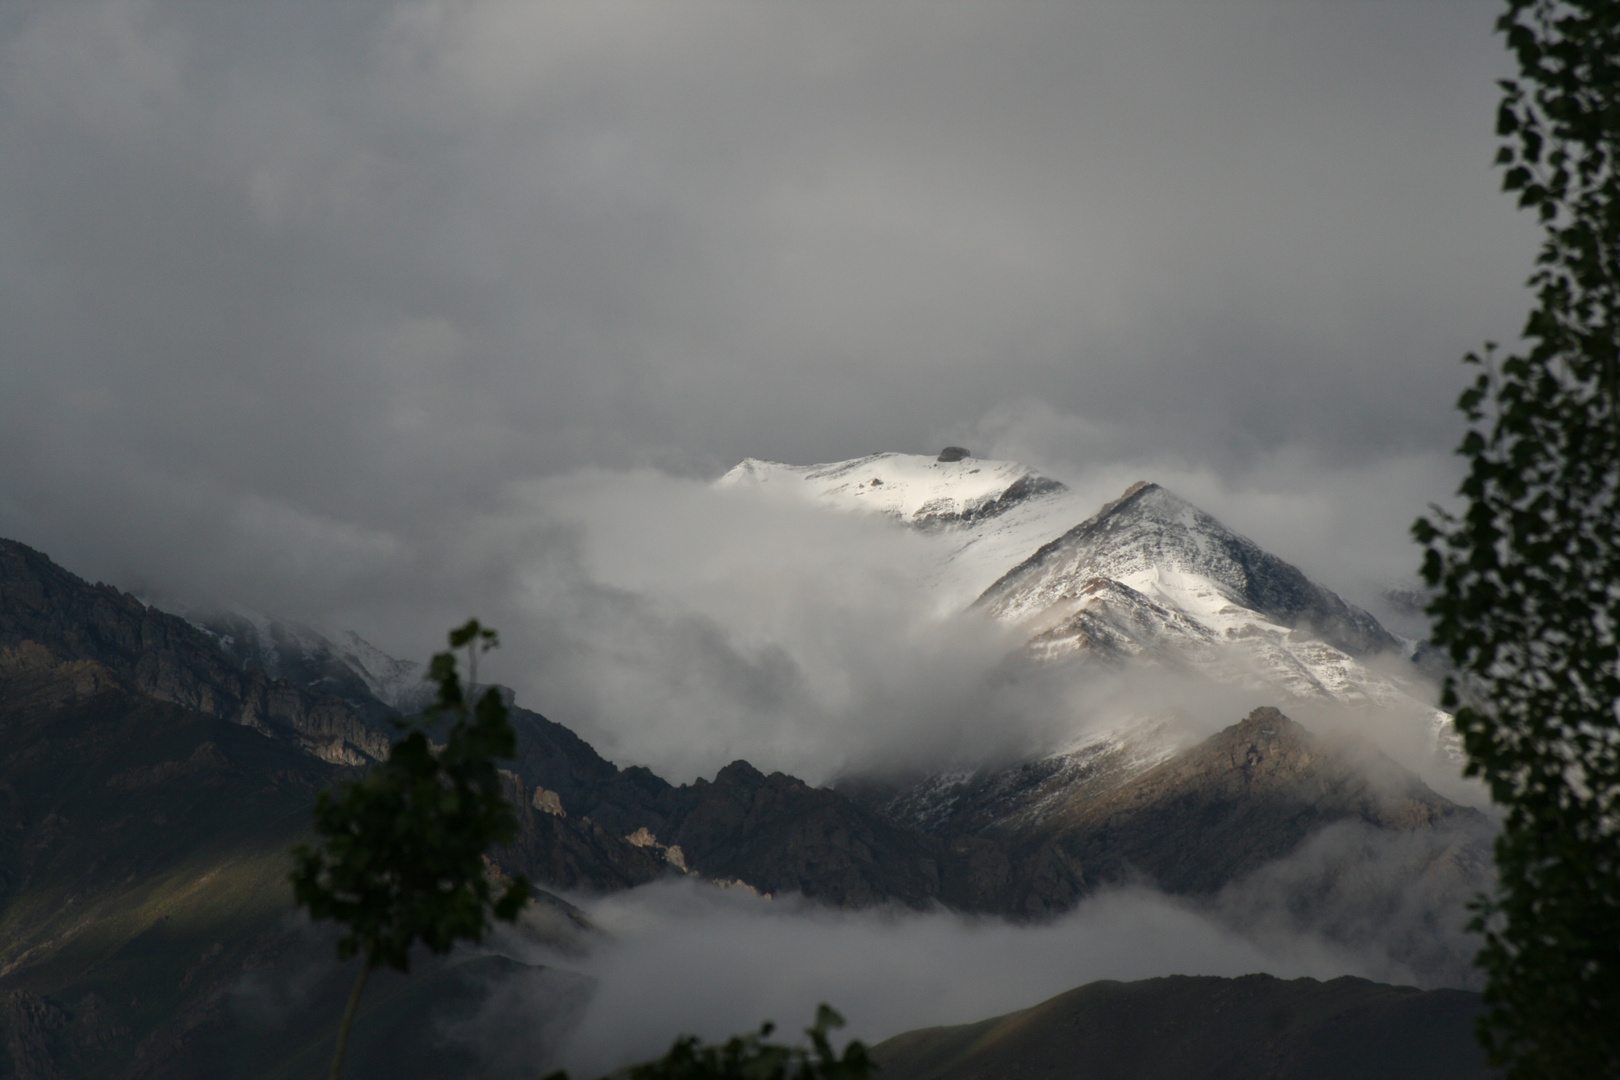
{"points": [[686, 958]]}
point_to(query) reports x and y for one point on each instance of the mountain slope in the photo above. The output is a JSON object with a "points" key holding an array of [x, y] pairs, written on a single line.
{"points": [[1265, 823], [1151, 576], [347, 667], [917, 490], [1193, 821], [984, 515], [1203, 1028], [1252, 793], [148, 795]]}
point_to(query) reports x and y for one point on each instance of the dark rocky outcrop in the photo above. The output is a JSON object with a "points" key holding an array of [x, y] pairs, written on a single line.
{"points": [[780, 835]]}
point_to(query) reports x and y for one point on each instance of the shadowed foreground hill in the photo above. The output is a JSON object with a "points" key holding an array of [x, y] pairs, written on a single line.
{"points": [[1205, 1028]]}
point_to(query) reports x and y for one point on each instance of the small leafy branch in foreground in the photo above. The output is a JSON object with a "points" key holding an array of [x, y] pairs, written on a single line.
{"points": [[750, 1057], [401, 856]]}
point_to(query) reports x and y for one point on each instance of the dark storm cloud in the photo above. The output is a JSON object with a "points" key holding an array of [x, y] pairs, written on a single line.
{"points": [[282, 287]]}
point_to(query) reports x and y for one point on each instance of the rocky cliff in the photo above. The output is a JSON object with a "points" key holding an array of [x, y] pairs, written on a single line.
{"points": [[169, 659]]}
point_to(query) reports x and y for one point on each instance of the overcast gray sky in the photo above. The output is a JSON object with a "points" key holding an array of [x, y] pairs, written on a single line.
{"points": [[313, 306]]}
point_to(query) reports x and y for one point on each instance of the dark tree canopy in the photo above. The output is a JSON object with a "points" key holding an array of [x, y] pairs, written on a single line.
{"points": [[1528, 575]]}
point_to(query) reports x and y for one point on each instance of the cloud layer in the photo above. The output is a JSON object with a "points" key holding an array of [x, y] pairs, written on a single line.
{"points": [[288, 294]]}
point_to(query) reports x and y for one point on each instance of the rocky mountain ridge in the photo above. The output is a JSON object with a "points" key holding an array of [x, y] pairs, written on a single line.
{"points": [[1149, 538], [166, 657]]}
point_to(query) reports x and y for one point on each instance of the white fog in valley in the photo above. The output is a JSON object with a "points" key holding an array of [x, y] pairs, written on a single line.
{"points": [[687, 958]]}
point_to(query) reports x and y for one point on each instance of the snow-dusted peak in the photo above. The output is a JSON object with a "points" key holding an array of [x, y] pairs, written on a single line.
{"points": [[1173, 553], [913, 488]]}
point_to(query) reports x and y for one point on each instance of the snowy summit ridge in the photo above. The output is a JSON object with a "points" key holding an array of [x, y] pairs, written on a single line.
{"points": [[927, 492]]}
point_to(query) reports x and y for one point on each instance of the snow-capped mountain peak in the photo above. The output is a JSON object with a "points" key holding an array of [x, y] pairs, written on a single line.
{"points": [[1165, 548], [1148, 577]]}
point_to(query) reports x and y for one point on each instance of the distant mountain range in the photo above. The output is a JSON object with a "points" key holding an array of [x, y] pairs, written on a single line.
{"points": [[157, 766]]}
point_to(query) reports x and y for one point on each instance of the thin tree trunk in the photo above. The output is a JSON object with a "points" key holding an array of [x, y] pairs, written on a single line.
{"points": [[348, 1019]]}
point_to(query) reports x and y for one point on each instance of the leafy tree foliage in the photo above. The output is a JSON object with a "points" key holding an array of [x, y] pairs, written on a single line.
{"points": [[750, 1057], [401, 859], [1528, 576]]}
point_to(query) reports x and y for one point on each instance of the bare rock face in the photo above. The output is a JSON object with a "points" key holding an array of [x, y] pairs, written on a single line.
{"points": [[42, 606], [782, 836]]}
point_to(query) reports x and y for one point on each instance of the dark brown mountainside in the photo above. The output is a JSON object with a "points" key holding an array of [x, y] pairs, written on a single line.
{"points": [[143, 861], [1247, 795], [1202, 1028], [778, 834]]}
